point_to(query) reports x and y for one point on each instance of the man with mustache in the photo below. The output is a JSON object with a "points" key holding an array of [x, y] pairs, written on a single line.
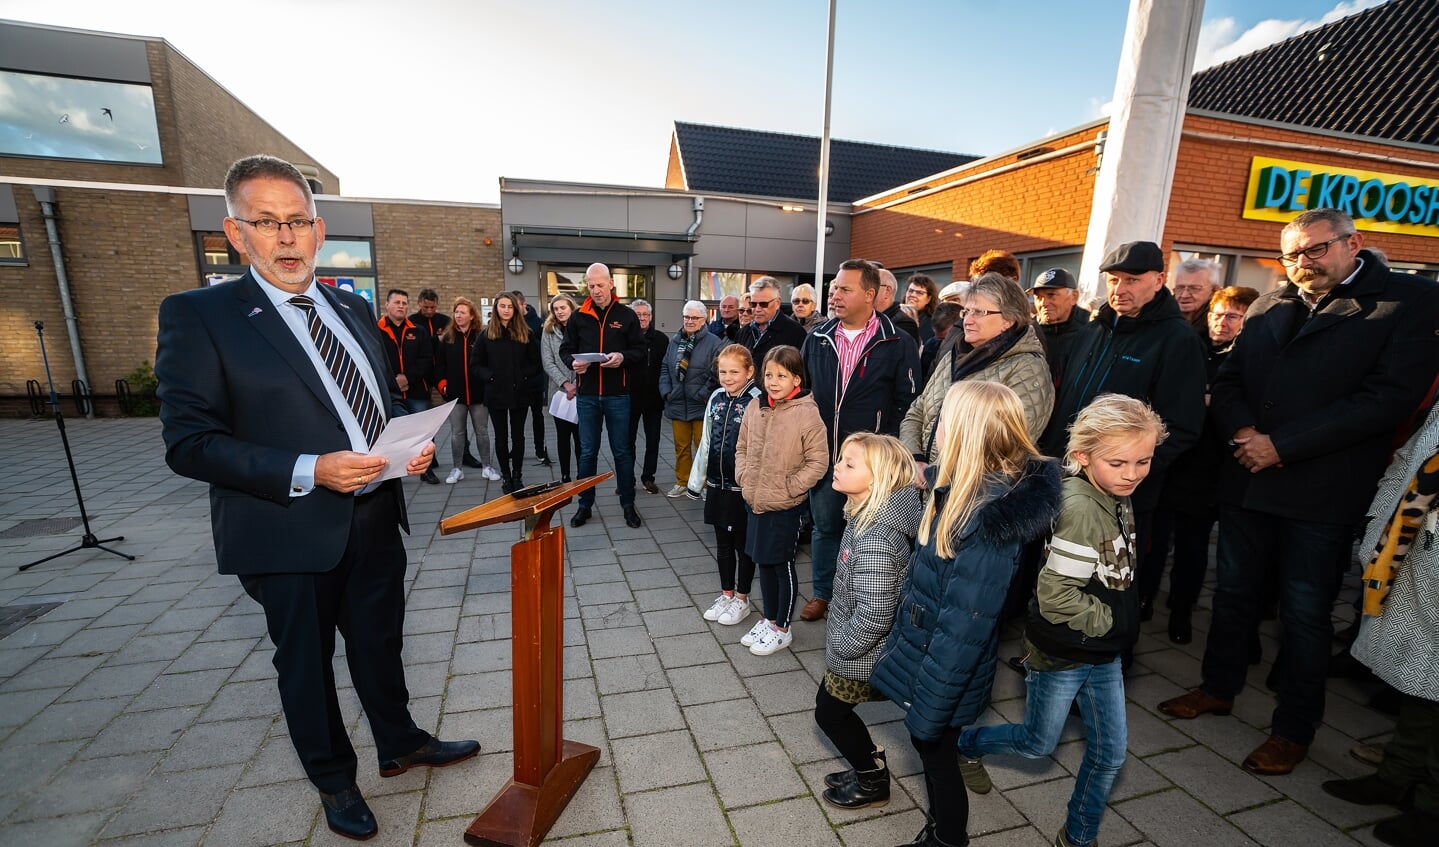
{"points": [[1327, 369]]}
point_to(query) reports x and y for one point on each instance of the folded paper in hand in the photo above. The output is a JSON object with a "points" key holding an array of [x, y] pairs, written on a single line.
{"points": [[592, 358], [564, 408], [405, 437]]}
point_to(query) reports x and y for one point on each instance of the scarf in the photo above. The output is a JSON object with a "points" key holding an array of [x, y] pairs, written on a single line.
{"points": [[686, 345], [964, 362], [1414, 507]]}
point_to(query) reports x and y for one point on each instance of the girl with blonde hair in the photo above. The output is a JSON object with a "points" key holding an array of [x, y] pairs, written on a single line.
{"points": [[990, 493]]}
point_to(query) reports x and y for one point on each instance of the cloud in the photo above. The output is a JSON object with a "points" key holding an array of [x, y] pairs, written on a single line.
{"points": [[1100, 108], [1221, 39]]}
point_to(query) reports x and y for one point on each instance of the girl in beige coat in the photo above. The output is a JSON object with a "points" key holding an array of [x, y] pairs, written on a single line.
{"points": [[781, 454]]}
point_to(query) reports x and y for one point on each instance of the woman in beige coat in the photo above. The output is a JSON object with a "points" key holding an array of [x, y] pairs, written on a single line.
{"points": [[999, 344]]}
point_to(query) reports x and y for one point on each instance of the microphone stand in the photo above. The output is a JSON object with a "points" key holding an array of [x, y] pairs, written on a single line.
{"points": [[88, 541]]}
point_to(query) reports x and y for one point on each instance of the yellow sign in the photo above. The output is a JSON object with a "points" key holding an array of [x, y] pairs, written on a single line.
{"points": [[1280, 190]]}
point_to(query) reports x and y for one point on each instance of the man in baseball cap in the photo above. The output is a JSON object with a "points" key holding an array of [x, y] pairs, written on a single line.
{"points": [[1056, 307]]}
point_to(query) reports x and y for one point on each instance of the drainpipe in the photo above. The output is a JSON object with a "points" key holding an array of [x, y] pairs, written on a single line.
{"points": [[699, 208], [45, 195]]}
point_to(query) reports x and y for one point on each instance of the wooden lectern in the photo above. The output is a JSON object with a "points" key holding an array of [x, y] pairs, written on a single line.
{"points": [[548, 769]]}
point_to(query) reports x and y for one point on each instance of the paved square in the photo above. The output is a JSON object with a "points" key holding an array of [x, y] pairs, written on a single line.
{"points": [[142, 709]]}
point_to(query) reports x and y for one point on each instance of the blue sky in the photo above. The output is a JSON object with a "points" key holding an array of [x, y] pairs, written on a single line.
{"points": [[436, 99]]}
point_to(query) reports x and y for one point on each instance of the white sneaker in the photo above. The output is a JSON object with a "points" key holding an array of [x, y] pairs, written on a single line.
{"points": [[756, 633], [772, 642], [675, 491], [719, 607], [490, 473], [455, 476], [738, 610]]}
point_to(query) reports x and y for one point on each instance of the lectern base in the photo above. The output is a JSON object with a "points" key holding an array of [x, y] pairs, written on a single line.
{"points": [[520, 815]]}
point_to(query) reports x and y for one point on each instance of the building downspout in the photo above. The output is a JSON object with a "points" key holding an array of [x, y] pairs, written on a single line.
{"points": [[45, 195], [691, 282]]}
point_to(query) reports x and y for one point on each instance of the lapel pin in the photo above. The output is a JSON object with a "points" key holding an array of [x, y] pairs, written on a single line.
{"points": [[253, 312]]}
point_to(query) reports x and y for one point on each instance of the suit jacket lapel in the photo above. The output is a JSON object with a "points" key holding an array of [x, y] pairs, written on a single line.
{"points": [[363, 331], [261, 315]]}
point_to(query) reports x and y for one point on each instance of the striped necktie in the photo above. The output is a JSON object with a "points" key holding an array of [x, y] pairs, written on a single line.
{"points": [[344, 370]]}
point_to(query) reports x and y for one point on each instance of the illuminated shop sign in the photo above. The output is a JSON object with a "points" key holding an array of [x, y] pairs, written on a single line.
{"points": [[1279, 190]]}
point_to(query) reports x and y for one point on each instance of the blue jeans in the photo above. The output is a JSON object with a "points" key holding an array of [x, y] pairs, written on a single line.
{"points": [[1100, 691], [612, 413], [1311, 559], [417, 404], [826, 508]]}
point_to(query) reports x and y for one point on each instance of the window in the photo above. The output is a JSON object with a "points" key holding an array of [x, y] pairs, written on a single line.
{"points": [[58, 118], [629, 282], [343, 262], [1032, 265], [716, 285], [12, 249], [941, 274]]}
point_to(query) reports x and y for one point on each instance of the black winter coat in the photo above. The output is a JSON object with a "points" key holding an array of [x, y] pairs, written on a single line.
{"points": [[644, 376], [615, 329], [938, 664], [1330, 388], [458, 368], [880, 390], [1155, 357], [410, 352], [505, 367], [782, 330]]}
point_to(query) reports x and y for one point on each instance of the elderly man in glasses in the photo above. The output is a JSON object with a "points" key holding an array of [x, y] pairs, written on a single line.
{"points": [[770, 327], [804, 305], [1326, 371]]}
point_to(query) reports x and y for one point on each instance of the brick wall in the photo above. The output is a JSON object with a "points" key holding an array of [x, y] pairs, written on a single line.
{"points": [[1046, 205], [440, 247]]}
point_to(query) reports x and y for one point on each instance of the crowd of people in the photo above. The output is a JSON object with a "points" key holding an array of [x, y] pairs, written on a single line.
{"points": [[985, 450]]}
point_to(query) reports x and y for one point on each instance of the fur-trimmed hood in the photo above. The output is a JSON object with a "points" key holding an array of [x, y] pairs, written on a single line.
{"points": [[1020, 511]]}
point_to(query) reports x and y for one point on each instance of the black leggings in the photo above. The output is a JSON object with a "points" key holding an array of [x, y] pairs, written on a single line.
{"points": [[845, 730], [509, 425], [537, 417], [777, 583], [948, 798], [566, 434], [729, 547]]}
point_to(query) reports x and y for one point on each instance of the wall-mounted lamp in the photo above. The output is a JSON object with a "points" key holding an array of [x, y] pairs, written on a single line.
{"points": [[516, 265], [789, 208], [676, 270], [828, 228]]}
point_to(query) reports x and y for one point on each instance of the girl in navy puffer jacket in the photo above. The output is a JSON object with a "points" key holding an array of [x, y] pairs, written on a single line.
{"points": [[992, 493]]}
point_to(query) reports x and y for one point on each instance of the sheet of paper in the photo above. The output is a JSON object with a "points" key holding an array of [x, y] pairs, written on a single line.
{"points": [[564, 408], [591, 357], [406, 436]]}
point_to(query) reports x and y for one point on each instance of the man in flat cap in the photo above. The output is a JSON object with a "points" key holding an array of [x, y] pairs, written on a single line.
{"points": [[1060, 318], [1139, 345]]}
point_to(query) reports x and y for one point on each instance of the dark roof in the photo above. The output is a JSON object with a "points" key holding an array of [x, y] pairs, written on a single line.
{"points": [[1374, 73], [728, 160]]}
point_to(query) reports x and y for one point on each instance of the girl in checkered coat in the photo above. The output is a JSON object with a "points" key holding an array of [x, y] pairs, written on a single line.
{"points": [[876, 474]]}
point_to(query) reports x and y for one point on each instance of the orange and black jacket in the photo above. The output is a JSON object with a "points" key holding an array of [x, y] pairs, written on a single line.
{"points": [[611, 330], [410, 351], [435, 325], [457, 367]]}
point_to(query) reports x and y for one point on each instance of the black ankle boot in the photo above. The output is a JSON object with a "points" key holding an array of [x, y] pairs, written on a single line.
{"points": [[506, 484], [868, 788], [838, 778]]}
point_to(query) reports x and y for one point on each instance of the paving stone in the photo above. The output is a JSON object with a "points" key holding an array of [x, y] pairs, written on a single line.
{"points": [[629, 641], [749, 666], [213, 655], [680, 621], [661, 577], [655, 599], [727, 724], [217, 743], [52, 673], [611, 615], [235, 700], [1135, 778], [1174, 819], [67, 721], [814, 773], [640, 713], [132, 613], [1212, 780], [468, 692], [480, 657], [657, 761], [275, 761], [44, 632], [733, 771], [803, 740], [792, 691], [595, 806], [17, 707], [464, 790], [706, 684], [175, 800], [794, 823], [181, 689], [1283, 824], [91, 785], [70, 829], [688, 815], [629, 673], [87, 608], [267, 814], [1045, 805], [605, 570], [680, 651], [153, 648], [91, 641], [19, 785], [137, 732], [493, 728]]}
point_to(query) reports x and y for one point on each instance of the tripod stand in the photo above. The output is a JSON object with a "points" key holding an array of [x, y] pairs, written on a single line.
{"points": [[88, 541]]}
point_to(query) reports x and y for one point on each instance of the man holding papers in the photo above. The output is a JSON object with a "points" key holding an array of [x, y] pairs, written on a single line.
{"points": [[273, 390]]}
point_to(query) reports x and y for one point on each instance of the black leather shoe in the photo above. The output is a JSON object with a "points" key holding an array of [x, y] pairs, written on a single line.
{"points": [[1369, 791], [434, 754], [349, 815], [868, 788], [632, 518], [543, 461], [471, 462], [582, 514], [429, 476]]}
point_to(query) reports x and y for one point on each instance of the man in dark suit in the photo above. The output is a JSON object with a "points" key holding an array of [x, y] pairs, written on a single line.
{"points": [[281, 434]]}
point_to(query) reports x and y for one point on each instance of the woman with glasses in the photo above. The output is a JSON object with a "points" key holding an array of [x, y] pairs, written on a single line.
{"points": [[999, 344], [687, 378], [805, 306], [923, 294]]}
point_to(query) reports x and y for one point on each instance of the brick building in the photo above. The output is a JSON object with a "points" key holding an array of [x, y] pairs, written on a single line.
{"points": [[1314, 120], [130, 141]]}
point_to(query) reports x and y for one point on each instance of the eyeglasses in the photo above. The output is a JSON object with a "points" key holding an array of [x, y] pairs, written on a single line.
{"points": [[763, 304], [746, 311], [1227, 316], [804, 300], [694, 317], [270, 226], [1313, 251], [978, 313]]}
